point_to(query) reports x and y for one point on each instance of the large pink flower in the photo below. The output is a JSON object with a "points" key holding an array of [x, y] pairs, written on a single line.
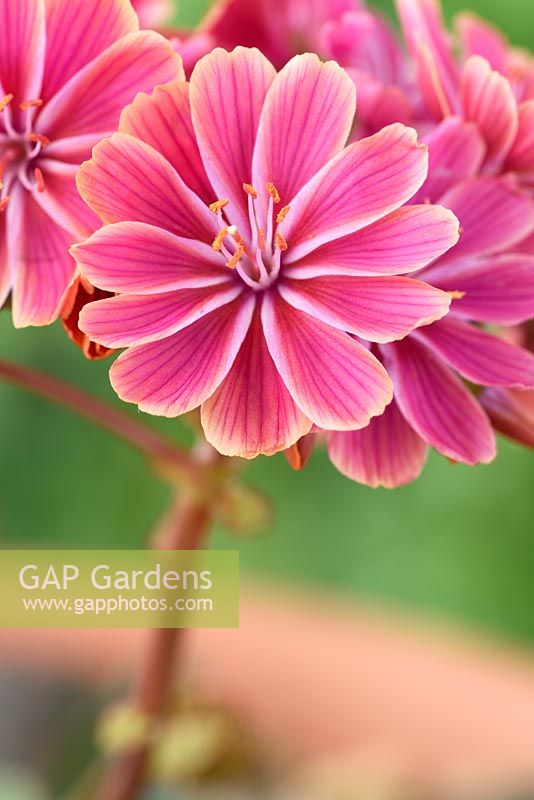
{"points": [[248, 248], [492, 285], [67, 68]]}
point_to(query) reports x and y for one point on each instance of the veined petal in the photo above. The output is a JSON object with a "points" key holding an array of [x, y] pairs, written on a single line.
{"points": [[404, 241], [92, 100], [495, 289], [479, 356], [129, 320], [456, 151], [494, 215], [176, 375], [135, 258], [511, 412], [488, 100], [387, 453], [380, 309], [252, 412], [480, 38], [334, 380], [39, 262], [163, 120], [61, 200], [437, 404], [128, 180], [22, 52], [227, 95], [306, 119], [369, 179], [77, 31]]}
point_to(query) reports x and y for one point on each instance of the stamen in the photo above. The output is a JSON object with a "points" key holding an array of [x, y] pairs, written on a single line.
{"points": [[273, 191], [236, 258], [280, 242], [44, 141], [39, 180], [282, 214], [261, 238], [250, 190], [233, 232], [37, 103], [5, 101], [3, 204], [218, 206], [219, 239], [456, 295]]}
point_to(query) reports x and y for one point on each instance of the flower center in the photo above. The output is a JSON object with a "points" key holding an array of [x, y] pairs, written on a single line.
{"points": [[258, 261], [19, 149]]}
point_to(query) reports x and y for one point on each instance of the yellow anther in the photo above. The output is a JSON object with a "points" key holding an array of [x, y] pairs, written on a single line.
{"points": [[261, 238], [456, 295], [39, 180], [218, 205], [282, 214], [249, 189], [236, 258], [37, 103], [5, 101], [219, 239], [280, 242], [273, 191]]}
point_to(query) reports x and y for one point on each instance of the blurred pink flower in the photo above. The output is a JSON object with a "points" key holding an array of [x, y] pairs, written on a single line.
{"points": [[491, 284], [153, 13], [67, 68], [246, 307]]}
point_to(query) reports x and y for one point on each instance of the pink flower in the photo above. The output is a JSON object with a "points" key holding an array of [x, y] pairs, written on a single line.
{"points": [[67, 68], [248, 247], [153, 13], [491, 284], [279, 28]]}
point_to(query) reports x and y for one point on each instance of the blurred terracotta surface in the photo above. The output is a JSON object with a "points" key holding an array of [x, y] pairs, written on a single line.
{"points": [[316, 676]]}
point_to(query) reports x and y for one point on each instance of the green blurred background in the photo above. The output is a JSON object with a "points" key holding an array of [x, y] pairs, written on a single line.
{"points": [[458, 544]]}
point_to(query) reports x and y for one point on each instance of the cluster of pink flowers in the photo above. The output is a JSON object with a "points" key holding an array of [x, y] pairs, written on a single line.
{"points": [[325, 233]]}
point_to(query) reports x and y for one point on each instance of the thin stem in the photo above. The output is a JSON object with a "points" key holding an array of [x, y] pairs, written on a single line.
{"points": [[121, 424], [187, 526]]}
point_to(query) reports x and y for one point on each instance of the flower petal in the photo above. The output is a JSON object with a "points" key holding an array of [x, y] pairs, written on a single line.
{"points": [[479, 356], [163, 120], [376, 309], [404, 241], [134, 258], [129, 320], [335, 381], [227, 95], [368, 180], [511, 412], [480, 38], [496, 289], [488, 100], [61, 200], [77, 31], [176, 375], [39, 262], [92, 100], [22, 53], [456, 151], [5, 277], [521, 156], [307, 118], [387, 453], [128, 180], [494, 215], [252, 413], [437, 404]]}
